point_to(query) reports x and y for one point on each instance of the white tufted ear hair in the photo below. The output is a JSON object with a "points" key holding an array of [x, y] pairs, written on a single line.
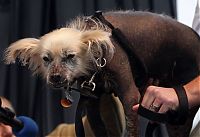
{"points": [[98, 39], [26, 51]]}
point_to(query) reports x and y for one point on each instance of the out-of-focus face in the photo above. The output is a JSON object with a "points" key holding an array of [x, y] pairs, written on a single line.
{"points": [[6, 130]]}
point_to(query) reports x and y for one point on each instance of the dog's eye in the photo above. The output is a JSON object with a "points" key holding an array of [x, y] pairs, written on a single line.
{"points": [[46, 59], [70, 56]]}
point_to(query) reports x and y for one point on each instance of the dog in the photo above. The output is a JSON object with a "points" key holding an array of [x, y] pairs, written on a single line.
{"points": [[168, 50]]}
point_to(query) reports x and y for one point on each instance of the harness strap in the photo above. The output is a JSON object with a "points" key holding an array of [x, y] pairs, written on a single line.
{"points": [[177, 117], [79, 128], [150, 129], [139, 71]]}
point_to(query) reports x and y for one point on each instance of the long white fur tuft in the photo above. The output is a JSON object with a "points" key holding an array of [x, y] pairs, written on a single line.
{"points": [[25, 51]]}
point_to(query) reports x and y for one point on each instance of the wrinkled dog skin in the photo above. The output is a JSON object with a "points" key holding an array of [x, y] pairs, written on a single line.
{"points": [[169, 49]]}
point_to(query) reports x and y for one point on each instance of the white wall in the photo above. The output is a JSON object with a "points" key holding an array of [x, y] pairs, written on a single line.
{"points": [[185, 14], [185, 11]]}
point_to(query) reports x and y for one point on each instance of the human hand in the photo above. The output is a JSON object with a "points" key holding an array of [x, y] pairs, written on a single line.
{"points": [[159, 99]]}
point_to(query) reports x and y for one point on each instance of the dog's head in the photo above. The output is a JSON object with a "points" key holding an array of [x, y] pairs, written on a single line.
{"points": [[63, 55]]}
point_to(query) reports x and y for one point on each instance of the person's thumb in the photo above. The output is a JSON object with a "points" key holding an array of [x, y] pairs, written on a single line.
{"points": [[135, 107]]}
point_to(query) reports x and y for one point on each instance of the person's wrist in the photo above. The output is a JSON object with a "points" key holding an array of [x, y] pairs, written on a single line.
{"points": [[192, 95]]}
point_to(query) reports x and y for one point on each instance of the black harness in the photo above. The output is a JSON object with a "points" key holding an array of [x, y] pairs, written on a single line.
{"points": [[140, 73]]}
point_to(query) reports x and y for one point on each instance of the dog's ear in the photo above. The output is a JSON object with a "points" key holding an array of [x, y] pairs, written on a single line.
{"points": [[98, 39], [25, 50]]}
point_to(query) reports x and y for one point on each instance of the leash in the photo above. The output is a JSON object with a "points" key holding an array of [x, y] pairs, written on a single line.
{"points": [[177, 117], [172, 117]]}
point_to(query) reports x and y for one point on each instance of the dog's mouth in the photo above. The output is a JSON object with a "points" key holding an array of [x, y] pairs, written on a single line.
{"points": [[58, 84], [66, 84], [57, 81]]}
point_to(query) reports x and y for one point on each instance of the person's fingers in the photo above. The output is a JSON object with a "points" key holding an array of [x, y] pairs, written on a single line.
{"points": [[155, 106], [164, 108], [159, 99], [135, 107], [157, 103], [148, 98]]}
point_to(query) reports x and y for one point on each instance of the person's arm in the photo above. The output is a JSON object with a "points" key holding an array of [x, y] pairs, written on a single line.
{"points": [[193, 92], [166, 98]]}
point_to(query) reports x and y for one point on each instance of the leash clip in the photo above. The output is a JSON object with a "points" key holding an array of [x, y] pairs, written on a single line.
{"points": [[89, 84], [68, 99]]}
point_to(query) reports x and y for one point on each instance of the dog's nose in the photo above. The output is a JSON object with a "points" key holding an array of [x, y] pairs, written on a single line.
{"points": [[55, 78]]}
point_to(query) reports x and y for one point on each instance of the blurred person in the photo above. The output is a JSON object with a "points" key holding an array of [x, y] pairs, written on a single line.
{"points": [[6, 130]]}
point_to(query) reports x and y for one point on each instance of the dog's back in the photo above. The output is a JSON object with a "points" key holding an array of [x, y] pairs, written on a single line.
{"points": [[170, 50]]}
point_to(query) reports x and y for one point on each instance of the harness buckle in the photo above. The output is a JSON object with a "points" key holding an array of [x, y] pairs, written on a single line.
{"points": [[88, 85]]}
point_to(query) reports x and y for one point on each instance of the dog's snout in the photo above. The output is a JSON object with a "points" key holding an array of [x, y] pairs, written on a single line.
{"points": [[55, 78]]}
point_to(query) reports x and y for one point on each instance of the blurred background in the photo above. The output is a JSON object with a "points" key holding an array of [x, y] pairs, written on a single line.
{"points": [[33, 18]]}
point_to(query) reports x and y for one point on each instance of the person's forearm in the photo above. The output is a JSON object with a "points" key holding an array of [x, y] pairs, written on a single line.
{"points": [[193, 92]]}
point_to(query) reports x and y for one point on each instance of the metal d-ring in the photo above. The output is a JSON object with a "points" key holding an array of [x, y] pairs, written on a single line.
{"points": [[86, 84], [89, 83], [99, 62]]}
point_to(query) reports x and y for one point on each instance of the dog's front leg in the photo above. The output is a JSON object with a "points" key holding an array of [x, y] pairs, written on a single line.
{"points": [[127, 91], [129, 96]]}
